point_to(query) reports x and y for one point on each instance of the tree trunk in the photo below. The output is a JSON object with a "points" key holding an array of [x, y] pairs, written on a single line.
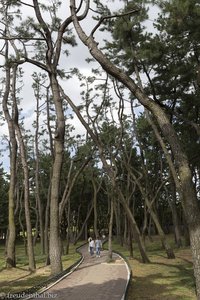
{"points": [[118, 217], [84, 224], [46, 226], [186, 232], [30, 249], [95, 207], [68, 227], [47, 209], [174, 181], [36, 231], [11, 237], [144, 227], [130, 243], [54, 240], [37, 185], [136, 231], [150, 229], [26, 180], [20, 222], [167, 247], [125, 229], [110, 228], [175, 219]]}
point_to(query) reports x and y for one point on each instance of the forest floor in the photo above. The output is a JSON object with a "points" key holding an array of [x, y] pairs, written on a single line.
{"points": [[162, 279], [20, 278]]}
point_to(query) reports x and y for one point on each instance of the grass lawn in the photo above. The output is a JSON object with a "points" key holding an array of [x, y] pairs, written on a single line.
{"points": [[20, 278], [162, 279]]}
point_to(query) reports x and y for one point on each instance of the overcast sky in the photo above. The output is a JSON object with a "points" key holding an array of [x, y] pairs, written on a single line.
{"points": [[75, 60]]}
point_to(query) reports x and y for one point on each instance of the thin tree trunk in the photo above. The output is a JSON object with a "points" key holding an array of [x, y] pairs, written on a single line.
{"points": [[186, 232], [167, 247], [21, 223], [125, 230], [84, 223], [136, 231], [69, 186], [47, 209], [36, 232], [95, 207], [117, 215], [26, 179], [30, 249], [68, 226], [110, 229], [144, 227], [150, 229], [77, 223], [175, 218], [11, 237], [37, 185], [46, 225], [130, 243]]}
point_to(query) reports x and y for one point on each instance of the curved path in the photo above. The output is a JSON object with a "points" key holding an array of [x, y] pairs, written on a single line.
{"points": [[93, 279]]}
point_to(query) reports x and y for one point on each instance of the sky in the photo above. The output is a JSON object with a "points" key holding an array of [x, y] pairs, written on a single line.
{"points": [[75, 60]]}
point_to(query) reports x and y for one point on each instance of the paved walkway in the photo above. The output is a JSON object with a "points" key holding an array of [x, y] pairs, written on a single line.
{"points": [[94, 279]]}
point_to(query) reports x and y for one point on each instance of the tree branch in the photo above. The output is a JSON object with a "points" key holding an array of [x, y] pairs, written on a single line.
{"points": [[37, 63], [21, 2], [7, 38], [111, 17]]}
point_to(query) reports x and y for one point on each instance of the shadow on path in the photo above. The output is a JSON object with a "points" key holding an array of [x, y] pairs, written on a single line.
{"points": [[93, 279]]}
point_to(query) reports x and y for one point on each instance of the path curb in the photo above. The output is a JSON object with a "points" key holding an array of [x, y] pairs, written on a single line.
{"points": [[129, 277], [47, 284]]}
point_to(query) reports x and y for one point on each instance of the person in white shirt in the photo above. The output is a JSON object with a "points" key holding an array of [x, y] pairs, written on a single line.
{"points": [[98, 245], [92, 246]]}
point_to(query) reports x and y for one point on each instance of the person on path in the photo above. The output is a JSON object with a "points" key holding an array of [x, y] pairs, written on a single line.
{"points": [[98, 245], [89, 240], [92, 246]]}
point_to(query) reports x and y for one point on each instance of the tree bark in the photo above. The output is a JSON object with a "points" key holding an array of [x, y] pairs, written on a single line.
{"points": [[54, 240], [135, 229], [175, 218], [130, 243], [37, 185], [26, 179], [118, 219], [174, 181], [10, 243], [110, 228], [84, 223], [26, 201], [95, 207]]}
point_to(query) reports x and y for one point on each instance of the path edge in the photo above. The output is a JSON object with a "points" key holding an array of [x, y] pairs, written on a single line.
{"points": [[47, 284], [129, 276], [129, 269]]}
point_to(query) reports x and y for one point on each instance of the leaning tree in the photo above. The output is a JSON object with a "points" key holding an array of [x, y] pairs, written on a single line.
{"points": [[189, 197]]}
